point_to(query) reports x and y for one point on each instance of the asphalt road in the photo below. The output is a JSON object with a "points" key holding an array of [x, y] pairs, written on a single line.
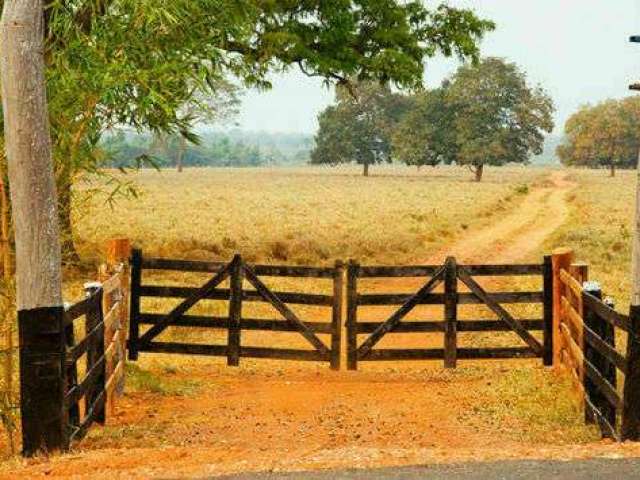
{"points": [[517, 470]]}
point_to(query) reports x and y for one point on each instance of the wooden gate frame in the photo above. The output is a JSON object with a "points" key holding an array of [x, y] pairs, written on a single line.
{"points": [[237, 271], [449, 274]]}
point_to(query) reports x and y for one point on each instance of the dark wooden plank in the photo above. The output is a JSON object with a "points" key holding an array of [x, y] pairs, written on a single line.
{"points": [[602, 384], [413, 326], [284, 354], [438, 353], [631, 406], [604, 348], [464, 298], [134, 304], [293, 271], [95, 353], [336, 315], [605, 312], [352, 315], [170, 291], [285, 311], [500, 311], [181, 265], [223, 323], [80, 348], [190, 301], [235, 312], [74, 395], [90, 417], [450, 313], [504, 270], [403, 327], [547, 290], [403, 271], [399, 314], [186, 348], [606, 428], [77, 310]]}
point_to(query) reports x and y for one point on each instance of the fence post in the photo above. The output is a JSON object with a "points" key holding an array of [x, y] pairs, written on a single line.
{"points": [[451, 313], [235, 312], [95, 350], [591, 392], [134, 303], [42, 380], [547, 280], [336, 314], [631, 400], [561, 259], [352, 315]]}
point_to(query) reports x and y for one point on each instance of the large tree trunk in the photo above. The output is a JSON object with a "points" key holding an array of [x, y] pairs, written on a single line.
{"points": [[365, 171], [479, 170], [35, 219]]}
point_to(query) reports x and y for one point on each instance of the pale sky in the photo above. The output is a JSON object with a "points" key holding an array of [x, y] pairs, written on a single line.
{"points": [[577, 49]]}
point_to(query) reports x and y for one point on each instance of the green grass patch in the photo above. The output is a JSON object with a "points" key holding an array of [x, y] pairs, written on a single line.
{"points": [[164, 382]]}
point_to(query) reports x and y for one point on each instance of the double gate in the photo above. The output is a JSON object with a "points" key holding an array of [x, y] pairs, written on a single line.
{"points": [[237, 283]]}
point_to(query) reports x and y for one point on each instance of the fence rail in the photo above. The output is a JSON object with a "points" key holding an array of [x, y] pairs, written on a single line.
{"points": [[237, 273], [452, 276]]}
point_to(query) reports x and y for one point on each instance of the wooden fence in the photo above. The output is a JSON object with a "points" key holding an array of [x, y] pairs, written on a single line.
{"points": [[237, 272], [586, 328], [452, 276], [98, 354]]}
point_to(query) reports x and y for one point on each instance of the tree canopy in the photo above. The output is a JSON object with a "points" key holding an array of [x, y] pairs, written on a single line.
{"points": [[499, 118], [603, 135]]}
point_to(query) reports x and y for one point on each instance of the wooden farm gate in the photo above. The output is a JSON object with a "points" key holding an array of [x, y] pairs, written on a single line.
{"points": [[238, 273], [452, 276]]}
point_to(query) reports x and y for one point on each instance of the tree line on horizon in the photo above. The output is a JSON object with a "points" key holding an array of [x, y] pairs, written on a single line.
{"points": [[486, 113]]}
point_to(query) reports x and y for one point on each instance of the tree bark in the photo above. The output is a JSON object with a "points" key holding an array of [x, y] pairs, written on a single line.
{"points": [[182, 148], [28, 148], [479, 170], [365, 172]]}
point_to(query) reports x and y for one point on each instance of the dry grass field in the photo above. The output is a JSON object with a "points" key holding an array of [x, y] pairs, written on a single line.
{"points": [[190, 412]]}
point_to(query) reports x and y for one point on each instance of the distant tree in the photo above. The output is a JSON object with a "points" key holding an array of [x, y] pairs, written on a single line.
{"points": [[605, 134], [426, 135], [359, 127], [499, 118]]}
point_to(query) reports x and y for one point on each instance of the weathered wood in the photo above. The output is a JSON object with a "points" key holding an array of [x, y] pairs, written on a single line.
{"points": [[189, 302], [293, 271], [464, 298], [500, 311], [201, 321], [450, 313], [399, 314], [336, 315], [631, 403], [118, 251], [504, 270], [352, 315], [134, 304], [606, 313], [168, 291], [96, 359], [547, 290], [90, 417], [606, 348], [561, 259], [285, 311], [235, 312], [438, 353], [149, 263], [433, 326], [77, 310], [394, 272]]}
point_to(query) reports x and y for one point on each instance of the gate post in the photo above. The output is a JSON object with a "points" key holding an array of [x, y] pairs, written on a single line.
{"points": [[548, 288], [42, 380], [631, 400], [451, 313], [134, 303], [235, 312], [95, 350], [561, 259], [336, 314], [352, 315]]}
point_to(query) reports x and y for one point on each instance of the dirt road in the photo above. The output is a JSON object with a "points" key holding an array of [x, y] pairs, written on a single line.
{"points": [[276, 416]]}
